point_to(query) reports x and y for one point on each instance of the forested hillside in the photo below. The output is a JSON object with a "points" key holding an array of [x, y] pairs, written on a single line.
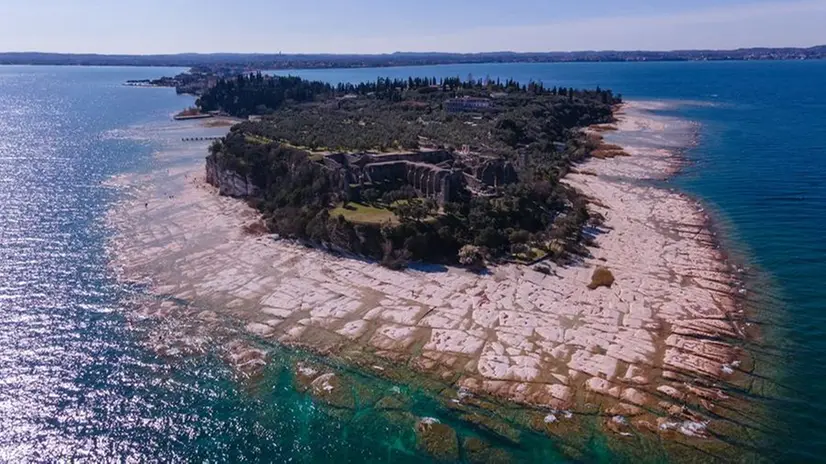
{"points": [[530, 126]]}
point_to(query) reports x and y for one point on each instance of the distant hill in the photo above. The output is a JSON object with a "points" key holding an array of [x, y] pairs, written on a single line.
{"points": [[285, 61]]}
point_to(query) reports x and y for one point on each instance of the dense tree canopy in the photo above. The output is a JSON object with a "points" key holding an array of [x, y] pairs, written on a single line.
{"points": [[260, 94], [257, 94], [533, 126]]}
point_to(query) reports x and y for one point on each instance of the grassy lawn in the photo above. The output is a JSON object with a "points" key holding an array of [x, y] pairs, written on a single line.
{"points": [[316, 155], [257, 139], [361, 213]]}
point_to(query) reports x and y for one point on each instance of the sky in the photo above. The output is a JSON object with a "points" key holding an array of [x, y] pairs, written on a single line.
{"points": [[383, 26]]}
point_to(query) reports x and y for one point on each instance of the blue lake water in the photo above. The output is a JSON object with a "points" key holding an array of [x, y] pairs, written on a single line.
{"points": [[76, 381]]}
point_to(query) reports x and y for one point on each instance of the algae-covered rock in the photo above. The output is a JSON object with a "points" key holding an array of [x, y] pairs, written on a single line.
{"points": [[365, 395], [246, 359], [391, 402], [326, 387], [493, 426], [554, 423], [333, 390], [437, 439], [623, 409], [477, 451], [304, 374], [619, 425]]}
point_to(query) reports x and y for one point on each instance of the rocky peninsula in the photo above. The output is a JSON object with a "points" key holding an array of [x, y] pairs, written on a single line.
{"points": [[651, 352]]}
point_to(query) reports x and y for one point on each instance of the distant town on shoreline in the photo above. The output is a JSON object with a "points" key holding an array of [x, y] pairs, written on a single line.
{"points": [[292, 61]]}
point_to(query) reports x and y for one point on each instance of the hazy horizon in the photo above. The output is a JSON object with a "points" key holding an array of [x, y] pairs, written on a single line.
{"points": [[370, 27], [402, 52]]}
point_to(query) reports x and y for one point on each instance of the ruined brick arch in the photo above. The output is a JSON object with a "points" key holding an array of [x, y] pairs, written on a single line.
{"points": [[427, 180]]}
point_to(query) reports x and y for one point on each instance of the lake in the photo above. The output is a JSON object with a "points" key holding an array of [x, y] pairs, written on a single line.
{"points": [[78, 382]]}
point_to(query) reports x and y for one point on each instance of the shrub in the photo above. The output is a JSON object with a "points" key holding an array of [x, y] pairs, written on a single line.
{"points": [[472, 257], [370, 195], [519, 236], [520, 248], [602, 278]]}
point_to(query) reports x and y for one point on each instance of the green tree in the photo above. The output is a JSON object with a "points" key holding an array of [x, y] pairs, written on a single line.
{"points": [[370, 195]]}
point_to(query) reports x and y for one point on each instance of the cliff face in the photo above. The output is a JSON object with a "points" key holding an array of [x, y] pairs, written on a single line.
{"points": [[229, 182]]}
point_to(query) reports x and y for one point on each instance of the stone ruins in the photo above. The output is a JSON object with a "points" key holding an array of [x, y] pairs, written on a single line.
{"points": [[436, 174]]}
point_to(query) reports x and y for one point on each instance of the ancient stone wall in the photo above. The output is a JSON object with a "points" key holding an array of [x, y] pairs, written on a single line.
{"points": [[382, 173], [495, 173], [429, 180], [429, 172]]}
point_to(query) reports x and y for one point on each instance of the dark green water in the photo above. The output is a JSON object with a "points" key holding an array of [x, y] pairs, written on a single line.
{"points": [[77, 383]]}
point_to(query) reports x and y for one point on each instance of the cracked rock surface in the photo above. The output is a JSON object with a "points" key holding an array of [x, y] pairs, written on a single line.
{"points": [[660, 336]]}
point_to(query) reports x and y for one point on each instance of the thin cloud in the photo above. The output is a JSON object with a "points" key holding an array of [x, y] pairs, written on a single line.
{"points": [[767, 24]]}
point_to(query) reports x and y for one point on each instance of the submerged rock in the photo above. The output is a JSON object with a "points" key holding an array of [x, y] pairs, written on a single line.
{"points": [[689, 428], [326, 387], [245, 359], [624, 409], [333, 390], [494, 427], [437, 440], [693, 428], [477, 451], [619, 425], [394, 402]]}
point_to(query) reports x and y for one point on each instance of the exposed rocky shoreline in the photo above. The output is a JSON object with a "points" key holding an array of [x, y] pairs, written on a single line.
{"points": [[650, 353]]}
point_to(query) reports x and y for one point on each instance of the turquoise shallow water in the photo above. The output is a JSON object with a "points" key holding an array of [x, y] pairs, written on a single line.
{"points": [[759, 162], [76, 382]]}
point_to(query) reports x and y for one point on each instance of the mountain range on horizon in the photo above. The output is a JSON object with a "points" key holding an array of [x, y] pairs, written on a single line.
{"points": [[329, 60]]}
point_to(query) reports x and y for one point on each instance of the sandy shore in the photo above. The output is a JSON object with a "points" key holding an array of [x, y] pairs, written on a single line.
{"points": [[639, 352]]}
